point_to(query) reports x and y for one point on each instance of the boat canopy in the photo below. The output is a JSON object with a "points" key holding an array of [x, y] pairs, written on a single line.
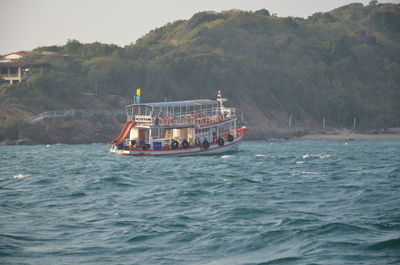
{"points": [[173, 108], [199, 102]]}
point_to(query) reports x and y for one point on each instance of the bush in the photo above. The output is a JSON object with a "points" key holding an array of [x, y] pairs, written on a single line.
{"points": [[10, 128], [300, 133], [34, 132]]}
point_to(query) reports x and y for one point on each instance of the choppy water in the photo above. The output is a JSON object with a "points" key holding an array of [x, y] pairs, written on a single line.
{"points": [[306, 202]]}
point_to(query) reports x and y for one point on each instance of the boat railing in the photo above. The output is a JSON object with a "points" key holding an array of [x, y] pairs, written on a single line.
{"points": [[143, 120], [175, 113], [227, 112], [181, 120]]}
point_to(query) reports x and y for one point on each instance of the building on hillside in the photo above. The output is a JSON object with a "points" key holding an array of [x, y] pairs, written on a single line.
{"points": [[13, 69], [19, 71]]}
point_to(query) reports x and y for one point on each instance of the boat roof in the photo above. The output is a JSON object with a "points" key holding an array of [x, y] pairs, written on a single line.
{"points": [[185, 103]]}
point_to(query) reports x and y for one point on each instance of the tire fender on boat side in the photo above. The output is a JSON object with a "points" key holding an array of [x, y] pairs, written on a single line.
{"points": [[206, 145], [230, 137], [220, 141], [174, 144], [146, 147], [185, 143]]}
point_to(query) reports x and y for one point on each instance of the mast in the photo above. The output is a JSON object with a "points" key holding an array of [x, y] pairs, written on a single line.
{"points": [[221, 102]]}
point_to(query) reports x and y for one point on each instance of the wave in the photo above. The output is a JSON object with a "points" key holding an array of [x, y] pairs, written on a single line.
{"points": [[229, 180], [21, 176], [389, 243], [78, 194], [139, 238], [336, 228], [283, 260], [248, 212], [253, 261], [315, 156], [249, 180]]}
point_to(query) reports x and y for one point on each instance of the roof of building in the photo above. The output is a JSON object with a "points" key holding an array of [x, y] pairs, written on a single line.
{"points": [[22, 64], [21, 53]]}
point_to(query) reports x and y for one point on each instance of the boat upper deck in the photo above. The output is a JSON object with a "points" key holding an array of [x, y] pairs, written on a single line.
{"points": [[175, 108], [178, 113]]}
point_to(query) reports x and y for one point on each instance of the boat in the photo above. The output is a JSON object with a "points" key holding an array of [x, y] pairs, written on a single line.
{"points": [[189, 127]]}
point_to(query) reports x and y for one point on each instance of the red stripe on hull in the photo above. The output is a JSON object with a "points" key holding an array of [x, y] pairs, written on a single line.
{"points": [[143, 153]]}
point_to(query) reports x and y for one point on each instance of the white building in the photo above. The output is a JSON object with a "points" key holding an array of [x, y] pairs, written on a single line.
{"points": [[13, 70]]}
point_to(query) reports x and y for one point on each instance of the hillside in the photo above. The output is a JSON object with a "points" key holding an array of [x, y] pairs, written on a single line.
{"points": [[341, 65]]}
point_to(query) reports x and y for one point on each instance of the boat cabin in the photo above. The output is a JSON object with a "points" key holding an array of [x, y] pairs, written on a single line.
{"points": [[179, 124]]}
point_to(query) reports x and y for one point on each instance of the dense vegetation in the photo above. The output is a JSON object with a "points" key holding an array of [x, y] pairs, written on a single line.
{"points": [[339, 65]]}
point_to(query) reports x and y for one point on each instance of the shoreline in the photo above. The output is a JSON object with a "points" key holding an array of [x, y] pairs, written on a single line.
{"points": [[347, 137], [308, 137]]}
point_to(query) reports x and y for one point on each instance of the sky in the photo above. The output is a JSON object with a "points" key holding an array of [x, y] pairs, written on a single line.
{"points": [[28, 24]]}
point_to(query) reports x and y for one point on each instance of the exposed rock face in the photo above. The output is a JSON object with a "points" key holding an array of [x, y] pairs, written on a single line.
{"points": [[7, 142], [24, 141]]}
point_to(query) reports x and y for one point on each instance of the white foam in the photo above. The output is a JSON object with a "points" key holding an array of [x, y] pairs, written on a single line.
{"points": [[300, 162], [260, 155], [226, 156], [228, 180], [309, 172], [324, 156], [20, 176], [319, 156]]}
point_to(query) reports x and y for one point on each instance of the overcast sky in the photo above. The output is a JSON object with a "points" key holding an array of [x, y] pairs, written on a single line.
{"points": [[28, 24]]}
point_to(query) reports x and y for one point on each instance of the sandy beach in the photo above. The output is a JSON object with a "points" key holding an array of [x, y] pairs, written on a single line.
{"points": [[348, 137]]}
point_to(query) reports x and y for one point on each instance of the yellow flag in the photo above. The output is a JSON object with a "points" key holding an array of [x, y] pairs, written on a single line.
{"points": [[138, 92]]}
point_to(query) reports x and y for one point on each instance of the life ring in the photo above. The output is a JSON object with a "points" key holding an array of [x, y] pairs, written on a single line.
{"points": [[146, 147], [220, 141], [206, 145], [174, 144], [197, 141], [230, 137], [185, 143]]}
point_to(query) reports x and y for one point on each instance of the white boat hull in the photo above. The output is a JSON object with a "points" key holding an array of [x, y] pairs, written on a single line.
{"points": [[213, 149]]}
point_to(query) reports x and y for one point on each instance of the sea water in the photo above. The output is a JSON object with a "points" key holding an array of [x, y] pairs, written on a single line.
{"points": [[293, 202]]}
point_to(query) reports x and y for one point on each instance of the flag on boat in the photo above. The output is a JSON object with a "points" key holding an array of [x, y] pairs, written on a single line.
{"points": [[137, 98]]}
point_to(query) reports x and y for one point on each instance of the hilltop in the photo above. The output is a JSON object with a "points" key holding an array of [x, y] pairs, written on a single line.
{"points": [[341, 65]]}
